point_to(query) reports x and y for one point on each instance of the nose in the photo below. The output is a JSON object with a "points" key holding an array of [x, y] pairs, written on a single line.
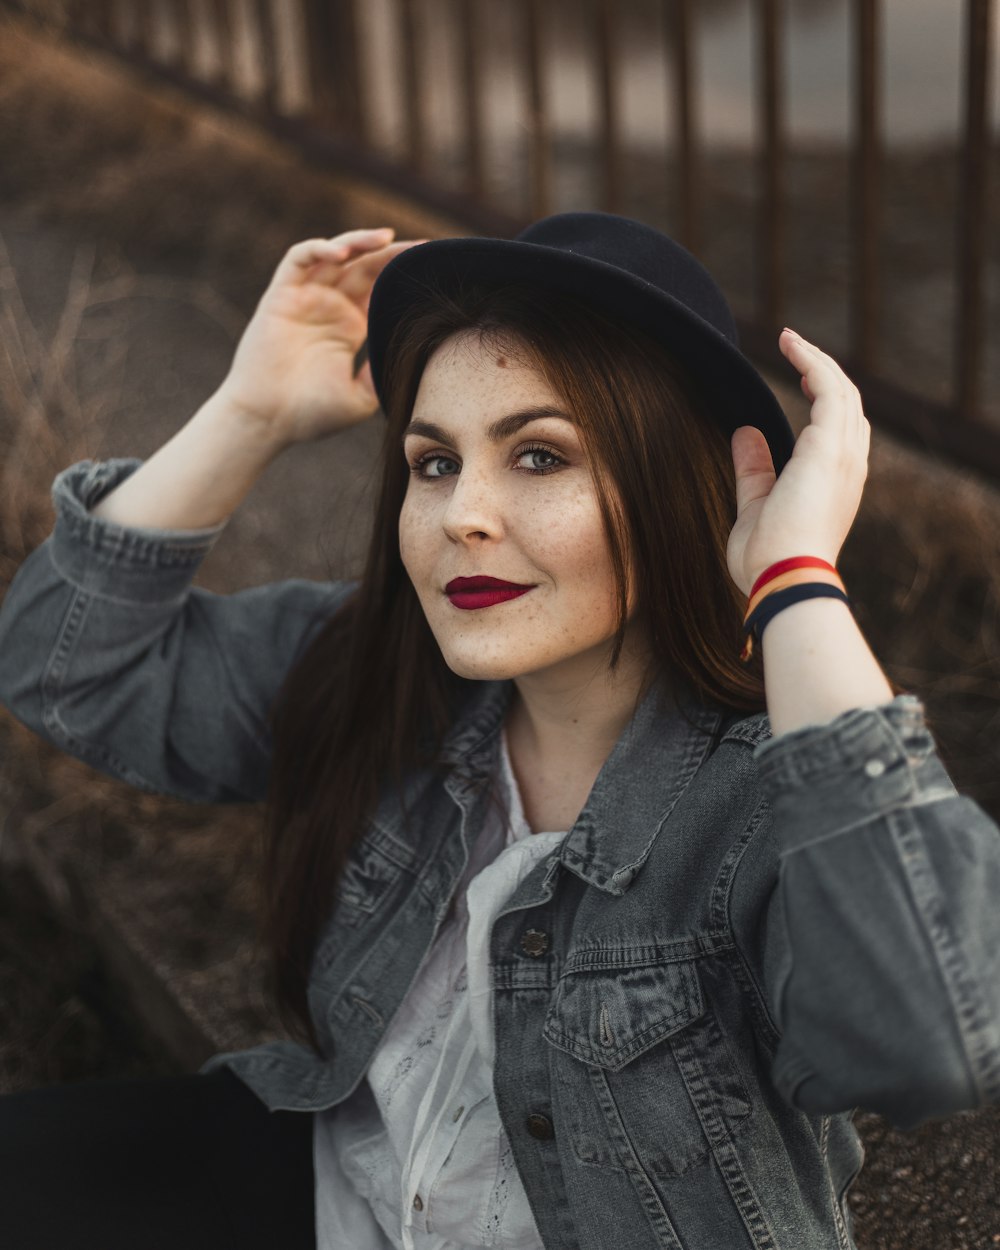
{"points": [[474, 511]]}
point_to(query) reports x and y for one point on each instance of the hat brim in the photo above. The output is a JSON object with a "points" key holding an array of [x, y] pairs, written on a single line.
{"points": [[734, 390]]}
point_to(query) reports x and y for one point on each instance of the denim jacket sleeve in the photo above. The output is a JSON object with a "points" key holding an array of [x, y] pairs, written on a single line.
{"points": [[109, 652], [880, 955]]}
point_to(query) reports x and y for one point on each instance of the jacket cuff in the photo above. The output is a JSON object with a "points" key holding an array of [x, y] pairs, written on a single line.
{"points": [[104, 558], [825, 779]]}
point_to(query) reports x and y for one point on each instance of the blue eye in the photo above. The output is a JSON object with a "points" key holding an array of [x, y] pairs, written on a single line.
{"points": [[421, 466], [436, 465], [555, 460]]}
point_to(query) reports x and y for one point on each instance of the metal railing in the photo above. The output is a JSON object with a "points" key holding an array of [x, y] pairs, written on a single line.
{"points": [[360, 84]]}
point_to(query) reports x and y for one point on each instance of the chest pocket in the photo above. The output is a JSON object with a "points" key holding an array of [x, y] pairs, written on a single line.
{"points": [[645, 1069], [367, 875], [374, 871]]}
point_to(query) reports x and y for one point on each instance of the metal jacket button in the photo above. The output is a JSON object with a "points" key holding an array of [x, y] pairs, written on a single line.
{"points": [[540, 1126], [534, 942]]}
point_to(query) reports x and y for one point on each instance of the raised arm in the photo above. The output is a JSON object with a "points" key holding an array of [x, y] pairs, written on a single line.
{"points": [[109, 652], [292, 380], [879, 944], [106, 649]]}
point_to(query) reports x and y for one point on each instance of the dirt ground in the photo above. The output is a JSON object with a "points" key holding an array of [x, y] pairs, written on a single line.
{"points": [[136, 234]]}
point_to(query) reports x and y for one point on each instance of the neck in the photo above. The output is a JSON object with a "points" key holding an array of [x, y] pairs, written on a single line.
{"points": [[575, 712]]}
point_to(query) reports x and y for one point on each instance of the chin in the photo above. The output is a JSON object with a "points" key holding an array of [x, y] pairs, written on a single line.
{"points": [[474, 660], [480, 668], [474, 664]]}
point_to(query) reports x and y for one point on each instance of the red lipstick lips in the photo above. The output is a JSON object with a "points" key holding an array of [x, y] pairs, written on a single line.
{"points": [[482, 592]]}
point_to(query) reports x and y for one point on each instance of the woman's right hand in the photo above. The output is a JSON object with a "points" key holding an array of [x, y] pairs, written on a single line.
{"points": [[293, 370]]}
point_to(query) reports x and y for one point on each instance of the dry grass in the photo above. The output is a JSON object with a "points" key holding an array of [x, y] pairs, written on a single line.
{"points": [[66, 820], [51, 422], [923, 564]]}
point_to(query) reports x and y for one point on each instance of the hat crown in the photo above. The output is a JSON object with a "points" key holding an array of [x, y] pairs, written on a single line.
{"points": [[624, 270], [649, 256]]}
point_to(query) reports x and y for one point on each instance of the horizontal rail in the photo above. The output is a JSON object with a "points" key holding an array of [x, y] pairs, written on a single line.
{"points": [[506, 62]]}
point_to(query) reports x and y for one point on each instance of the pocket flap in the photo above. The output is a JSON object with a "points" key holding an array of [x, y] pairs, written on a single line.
{"points": [[610, 1016]]}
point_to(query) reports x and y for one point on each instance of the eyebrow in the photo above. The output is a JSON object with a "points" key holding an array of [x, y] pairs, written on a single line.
{"points": [[503, 428]]}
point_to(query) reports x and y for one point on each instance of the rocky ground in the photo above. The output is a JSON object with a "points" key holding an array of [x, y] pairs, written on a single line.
{"points": [[135, 235]]}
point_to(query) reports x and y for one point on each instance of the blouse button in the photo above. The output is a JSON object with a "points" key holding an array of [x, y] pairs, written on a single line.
{"points": [[418, 1203], [534, 942], [875, 768]]}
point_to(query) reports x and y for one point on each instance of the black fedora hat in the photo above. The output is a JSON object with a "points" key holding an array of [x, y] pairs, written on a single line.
{"points": [[626, 269]]}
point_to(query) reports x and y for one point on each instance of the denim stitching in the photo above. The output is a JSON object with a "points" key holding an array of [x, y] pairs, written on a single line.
{"points": [[971, 1013]]}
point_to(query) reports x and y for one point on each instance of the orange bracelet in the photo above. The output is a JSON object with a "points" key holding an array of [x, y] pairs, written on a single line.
{"points": [[784, 583], [791, 562]]}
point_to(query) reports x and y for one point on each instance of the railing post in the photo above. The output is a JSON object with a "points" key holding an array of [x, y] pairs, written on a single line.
{"points": [[771, 232], [972, 208], [866, 188], [333, 55], [220, 22], [105, 18], [143, 42], [189, 17], [93, 16], [173, 19], [320, 24], [409, 38], [73, 13], [267, 57], [469, 28], [539, 158], [609, 17], [688, 193]]}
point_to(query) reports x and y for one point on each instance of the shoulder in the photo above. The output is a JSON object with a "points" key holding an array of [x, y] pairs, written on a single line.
{"points": [[740, 727], [755, 853]]}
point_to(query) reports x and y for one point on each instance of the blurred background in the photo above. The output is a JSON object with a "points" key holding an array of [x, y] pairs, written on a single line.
{"points": [[833, 162]]}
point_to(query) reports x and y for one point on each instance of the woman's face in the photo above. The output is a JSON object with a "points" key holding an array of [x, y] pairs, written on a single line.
{"points": [[500, 488]]}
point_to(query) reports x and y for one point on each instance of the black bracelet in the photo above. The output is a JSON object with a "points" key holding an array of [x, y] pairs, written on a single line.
{"points": [[772, 604]]}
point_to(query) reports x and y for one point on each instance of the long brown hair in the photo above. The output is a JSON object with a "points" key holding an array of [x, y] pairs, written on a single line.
{"points": [[371, 696]]}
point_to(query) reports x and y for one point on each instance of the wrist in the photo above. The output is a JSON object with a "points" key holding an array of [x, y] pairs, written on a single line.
{"points": [[784, 583], [227, 408]]}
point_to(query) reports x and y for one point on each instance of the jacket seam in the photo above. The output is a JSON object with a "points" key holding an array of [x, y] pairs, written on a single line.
{"points": [[151, 604], [871, 818], [51, 686], [964, 995], [754, 824], [824, 1141], [262, 731]]}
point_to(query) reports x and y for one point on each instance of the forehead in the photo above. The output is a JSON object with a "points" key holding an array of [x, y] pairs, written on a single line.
{"points": [[485, 367]]}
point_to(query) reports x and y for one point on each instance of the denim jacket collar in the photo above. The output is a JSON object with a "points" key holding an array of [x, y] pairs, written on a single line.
{"points": [[612, 837]]}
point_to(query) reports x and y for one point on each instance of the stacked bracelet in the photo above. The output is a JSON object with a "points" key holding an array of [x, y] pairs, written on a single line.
{"points": [[784, 583]]}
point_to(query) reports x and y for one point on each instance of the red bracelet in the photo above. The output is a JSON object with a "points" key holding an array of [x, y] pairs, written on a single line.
{"points": [[788, 585], [783, 566]]}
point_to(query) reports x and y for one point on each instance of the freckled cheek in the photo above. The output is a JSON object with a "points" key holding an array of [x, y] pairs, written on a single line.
{"points": [[570, 544], [416, 547], [579, 564]]}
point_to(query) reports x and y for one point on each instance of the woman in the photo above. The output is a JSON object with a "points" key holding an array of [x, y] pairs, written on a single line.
{"points": [[582, 948]]}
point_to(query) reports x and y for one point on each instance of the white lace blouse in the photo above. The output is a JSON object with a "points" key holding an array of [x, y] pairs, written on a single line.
{"points": [[416, 1158]]}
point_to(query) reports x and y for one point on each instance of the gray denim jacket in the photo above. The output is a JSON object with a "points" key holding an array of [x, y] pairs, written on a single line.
{"points": [[745, 937]]}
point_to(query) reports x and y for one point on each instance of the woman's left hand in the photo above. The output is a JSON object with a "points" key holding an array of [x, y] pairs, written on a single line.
{"points": [[810, 508]]}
